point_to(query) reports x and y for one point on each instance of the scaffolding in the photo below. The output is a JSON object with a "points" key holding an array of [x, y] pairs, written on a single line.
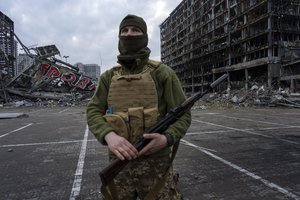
{"points": [[202, 39]]}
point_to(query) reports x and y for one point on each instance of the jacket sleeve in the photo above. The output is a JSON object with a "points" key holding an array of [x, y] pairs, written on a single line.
{"points": [[172, 95], [97, 107]]}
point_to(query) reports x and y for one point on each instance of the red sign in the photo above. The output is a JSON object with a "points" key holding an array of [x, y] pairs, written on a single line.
{"points": [[71, 78]]}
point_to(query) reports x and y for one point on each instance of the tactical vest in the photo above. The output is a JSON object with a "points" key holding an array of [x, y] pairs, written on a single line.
{"points": [[132, 102]]}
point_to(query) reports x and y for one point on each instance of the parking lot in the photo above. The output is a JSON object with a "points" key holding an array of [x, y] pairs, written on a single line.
{"points": [[228, 154]]}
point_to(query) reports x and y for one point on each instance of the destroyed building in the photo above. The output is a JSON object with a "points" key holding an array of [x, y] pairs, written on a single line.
{"points": [[202, 39], [8, 50], [40, 75]]}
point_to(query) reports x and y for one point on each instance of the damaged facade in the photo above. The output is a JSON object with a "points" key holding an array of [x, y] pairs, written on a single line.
{"points": [[249, 39], [43, 75], [8, 46]]}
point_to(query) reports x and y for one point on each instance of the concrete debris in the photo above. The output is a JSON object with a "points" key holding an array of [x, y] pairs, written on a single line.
{"points": [[12, 115], [258, 95], [48, 81], [46, 78]]}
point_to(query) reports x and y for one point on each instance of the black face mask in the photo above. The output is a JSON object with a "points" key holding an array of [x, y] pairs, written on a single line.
{"points": [[130, 45]]}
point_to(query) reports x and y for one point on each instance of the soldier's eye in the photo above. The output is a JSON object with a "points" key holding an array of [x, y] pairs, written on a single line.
{"points": [[124, 30], [136, 30]]}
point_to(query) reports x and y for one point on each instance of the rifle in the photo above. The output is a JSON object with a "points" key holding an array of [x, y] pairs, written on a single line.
{"points": [[108, 173]]}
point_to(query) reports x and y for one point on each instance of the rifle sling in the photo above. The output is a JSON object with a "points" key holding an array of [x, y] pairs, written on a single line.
{"points": [[110, 191], [152, 195]]}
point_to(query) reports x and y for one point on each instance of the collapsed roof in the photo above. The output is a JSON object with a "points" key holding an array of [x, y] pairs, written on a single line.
{"points": [[47, 77]]}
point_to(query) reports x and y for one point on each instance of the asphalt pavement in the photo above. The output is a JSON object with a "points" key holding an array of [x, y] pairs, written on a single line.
{"points": [[227, 154]]}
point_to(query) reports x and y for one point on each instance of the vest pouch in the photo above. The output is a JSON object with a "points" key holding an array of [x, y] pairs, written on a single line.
{"points": [[118, 122], [150, 117], [136, 122]]}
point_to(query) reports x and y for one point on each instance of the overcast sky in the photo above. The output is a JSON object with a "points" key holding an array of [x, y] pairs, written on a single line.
{"points": [[84, 30]]}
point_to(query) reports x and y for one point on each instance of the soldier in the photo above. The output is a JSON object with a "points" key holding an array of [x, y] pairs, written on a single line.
{"points": [[130, 98]]}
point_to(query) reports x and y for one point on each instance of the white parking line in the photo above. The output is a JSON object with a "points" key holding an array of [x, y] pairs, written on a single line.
{"points": [[78, 175], [206, 132], [248, 173], [46, 143], [251, 120], [247, 129], [236, 129], [63, 110], [15, 130], [182, 141], [250, 132]]}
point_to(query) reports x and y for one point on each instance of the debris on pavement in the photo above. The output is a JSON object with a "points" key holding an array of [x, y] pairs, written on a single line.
{"points": [[12, 115]]}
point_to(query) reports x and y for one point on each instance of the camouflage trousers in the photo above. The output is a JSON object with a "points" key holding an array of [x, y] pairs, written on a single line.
{"points": [[138, 178]]}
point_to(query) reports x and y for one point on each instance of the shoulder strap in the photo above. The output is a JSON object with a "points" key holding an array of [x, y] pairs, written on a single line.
{"points": [[109, 192]]}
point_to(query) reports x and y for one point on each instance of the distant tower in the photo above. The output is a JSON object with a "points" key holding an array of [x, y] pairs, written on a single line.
{"points": [[8, 46], [90, 70], [24, 61]]}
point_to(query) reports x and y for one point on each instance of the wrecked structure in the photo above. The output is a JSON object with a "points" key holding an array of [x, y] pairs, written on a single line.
{"points": [[45, 78], [49, 78], [252, 40]]}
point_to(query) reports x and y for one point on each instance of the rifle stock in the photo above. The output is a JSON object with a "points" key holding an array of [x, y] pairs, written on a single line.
{"points": [[112, 170]]}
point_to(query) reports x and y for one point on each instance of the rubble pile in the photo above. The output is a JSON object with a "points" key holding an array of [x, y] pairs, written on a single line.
{"points": [[46, 81], [257, 95], [17, 101]]}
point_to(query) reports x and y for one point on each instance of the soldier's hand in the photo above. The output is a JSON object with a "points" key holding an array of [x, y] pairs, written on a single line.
{"points": [[121, 147], [158, 142]]}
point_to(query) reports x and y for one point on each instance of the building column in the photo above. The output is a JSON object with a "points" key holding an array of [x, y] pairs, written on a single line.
{"points": [[246, 79], [273, 72], [292, 86]]}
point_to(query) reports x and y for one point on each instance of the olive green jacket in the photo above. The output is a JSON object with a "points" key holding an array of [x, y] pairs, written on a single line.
{"points": [[170, 94]]}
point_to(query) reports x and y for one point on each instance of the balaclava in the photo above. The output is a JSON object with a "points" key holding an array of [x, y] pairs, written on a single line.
{"points": [[133, 49]]}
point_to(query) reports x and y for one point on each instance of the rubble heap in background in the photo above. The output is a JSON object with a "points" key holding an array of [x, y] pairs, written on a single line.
{"points": [[49, 81], [257, 95], [46, 81]]}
